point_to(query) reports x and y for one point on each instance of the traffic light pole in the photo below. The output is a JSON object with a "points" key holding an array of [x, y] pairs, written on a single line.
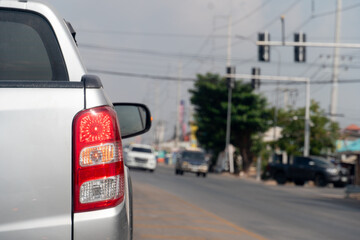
{"points": [[335, 74], [307, 100], [178, 99], [228, 129], [229, 158]]}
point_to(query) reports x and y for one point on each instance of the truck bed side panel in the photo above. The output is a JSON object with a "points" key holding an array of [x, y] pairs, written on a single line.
{"points": [[36, 161]]}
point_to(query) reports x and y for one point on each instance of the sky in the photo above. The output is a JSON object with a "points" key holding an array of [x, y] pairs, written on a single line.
{"points": [[185, 37]]}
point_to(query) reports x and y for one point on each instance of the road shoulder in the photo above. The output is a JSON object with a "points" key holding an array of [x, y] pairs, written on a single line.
{"points": [[161, 215]]}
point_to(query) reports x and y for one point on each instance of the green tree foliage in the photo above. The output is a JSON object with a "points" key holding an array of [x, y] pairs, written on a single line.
{"points": [[323, 132], [249, 115]]}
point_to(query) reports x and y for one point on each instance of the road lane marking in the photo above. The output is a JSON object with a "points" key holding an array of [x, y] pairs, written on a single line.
{"points": [[148, 236], [213, 222], [144, 218], [144, 205], [203, 229], [154, 212]]}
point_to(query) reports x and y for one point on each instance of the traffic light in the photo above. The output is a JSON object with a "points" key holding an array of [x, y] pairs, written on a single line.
{"points": [[255, 83], [300, 52], [264, 51], [230, 81]]}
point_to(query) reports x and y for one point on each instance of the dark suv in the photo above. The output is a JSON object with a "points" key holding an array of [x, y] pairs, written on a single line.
{"points": [[191, 161], [302, 169]]}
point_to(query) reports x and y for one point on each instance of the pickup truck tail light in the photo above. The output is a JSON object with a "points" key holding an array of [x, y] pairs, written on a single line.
{"points": [[98, 171]]}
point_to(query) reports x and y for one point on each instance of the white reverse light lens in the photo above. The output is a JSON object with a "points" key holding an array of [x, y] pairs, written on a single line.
{"points": [[101, 189]]}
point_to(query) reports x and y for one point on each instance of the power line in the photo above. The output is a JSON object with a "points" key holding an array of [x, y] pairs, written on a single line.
{"points": [[199, 51], [301, 25], [189, 79], [320, 82], [247, 38], [302, 91], [310, 66], [313, 16], [319, 87], [158, 53], [296, 2], [266, 26], [145, 52], [128, 61], [139, 75], [152, 34], [191, 35], [342, 10], [199, 57], [246, 16]]}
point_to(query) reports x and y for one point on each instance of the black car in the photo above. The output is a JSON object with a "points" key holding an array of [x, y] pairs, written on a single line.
{"points": [[301, 169]]}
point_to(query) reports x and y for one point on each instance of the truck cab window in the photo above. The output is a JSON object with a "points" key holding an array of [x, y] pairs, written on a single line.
{"points": [[302, 161], [29, 49]]}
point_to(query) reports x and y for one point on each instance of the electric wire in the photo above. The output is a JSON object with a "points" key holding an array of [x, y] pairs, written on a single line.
{"points": [[191, 79], [275, 19], [152, 34], [246, 16], [313, 16]]}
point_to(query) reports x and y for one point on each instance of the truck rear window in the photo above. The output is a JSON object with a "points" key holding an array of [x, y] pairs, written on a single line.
{"points": [[29, 49]]}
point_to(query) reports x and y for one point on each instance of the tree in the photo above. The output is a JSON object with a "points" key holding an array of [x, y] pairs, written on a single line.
{"points": [[323, 132], [249, 115]]}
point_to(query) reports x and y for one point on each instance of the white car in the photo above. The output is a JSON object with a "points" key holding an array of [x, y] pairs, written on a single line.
{"points": [[140, 156]]}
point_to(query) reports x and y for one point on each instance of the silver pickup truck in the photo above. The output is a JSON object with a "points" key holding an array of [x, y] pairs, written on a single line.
{"points": [[62, 174]]}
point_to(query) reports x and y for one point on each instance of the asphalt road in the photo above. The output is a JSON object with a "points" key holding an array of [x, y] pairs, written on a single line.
{"points": [[169, 206]]}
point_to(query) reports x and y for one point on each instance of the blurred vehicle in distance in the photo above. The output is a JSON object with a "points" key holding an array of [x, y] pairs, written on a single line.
{"points": [[302, 169], [140, 156], [191, 161]]}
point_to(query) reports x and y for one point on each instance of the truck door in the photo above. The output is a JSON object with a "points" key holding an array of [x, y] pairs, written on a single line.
{"points": [[300, 169]]}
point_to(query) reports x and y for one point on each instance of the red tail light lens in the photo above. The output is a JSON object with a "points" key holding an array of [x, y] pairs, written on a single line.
{"points": [[98, 163]]}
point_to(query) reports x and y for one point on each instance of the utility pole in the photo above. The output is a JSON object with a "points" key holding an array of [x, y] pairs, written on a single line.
{"points": [[277, 85], [335, 75], [156, 115], [229, 158], [286, 99], [282, 18], [307, 120], [255, 83], [288, 93], [307, 100], [276, 109], [213, 44], [228, 59], [178, 99]]}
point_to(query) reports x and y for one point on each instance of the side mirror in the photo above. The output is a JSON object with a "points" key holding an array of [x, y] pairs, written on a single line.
{"points": [[134, 119]]}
